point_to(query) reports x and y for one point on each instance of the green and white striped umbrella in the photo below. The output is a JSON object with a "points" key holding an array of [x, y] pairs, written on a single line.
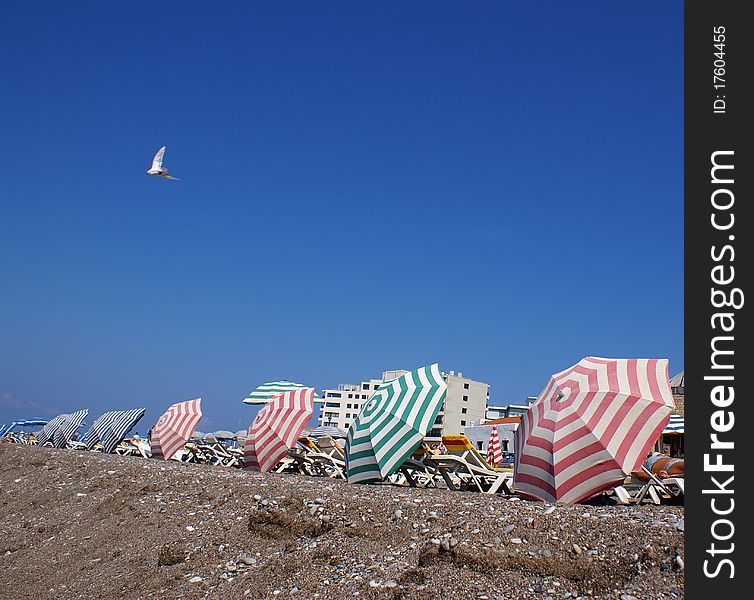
{"points": [[392, 424], [267, 391]]}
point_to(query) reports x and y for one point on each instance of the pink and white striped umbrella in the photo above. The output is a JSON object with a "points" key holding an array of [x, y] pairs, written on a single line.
{"points": [[276, 428], [174, 427], [590, 427], [494, 451]]}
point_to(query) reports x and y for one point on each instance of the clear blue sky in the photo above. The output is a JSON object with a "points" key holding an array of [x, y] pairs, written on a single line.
{"points": [[364, 186]]}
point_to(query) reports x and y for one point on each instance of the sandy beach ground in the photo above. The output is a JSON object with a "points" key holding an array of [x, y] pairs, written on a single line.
{"points": [[81, 525]]}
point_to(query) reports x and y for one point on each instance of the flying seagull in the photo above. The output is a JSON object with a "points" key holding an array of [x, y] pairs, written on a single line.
{"points": [[157, 169]]}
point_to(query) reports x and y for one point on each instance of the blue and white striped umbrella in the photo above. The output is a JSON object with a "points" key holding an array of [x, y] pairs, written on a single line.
{"points": [[95, 432], [675, 424], [47, 432], [326, 430], [67, 427], [111, 427]]}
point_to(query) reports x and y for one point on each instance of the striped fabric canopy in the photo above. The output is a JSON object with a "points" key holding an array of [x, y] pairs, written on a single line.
{"points": [[174, 427], [590, 427], [392, 424], [494, 451], [48, 431], [61, 428], [91, 437], [111, 427], [276, 428], [326, 430], [68, 427], [267, 391], [675, 424], [22, 423]]}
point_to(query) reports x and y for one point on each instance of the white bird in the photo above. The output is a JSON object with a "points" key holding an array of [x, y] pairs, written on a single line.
{"points": [[157, 169]]}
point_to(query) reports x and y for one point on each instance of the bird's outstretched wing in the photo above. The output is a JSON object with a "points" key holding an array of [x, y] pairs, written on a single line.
{"points": [[157, 160], [171, 178]]}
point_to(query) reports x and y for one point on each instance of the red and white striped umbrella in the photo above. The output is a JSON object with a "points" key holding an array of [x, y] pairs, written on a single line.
{"points": [[276, 428], [494, 451], [175, 427], [590, 427]]}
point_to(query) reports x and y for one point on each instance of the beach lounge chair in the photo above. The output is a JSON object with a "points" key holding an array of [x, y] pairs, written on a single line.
{"points": [[134, 446], [463, 468], [308, 458], [656, 490], [219, 454], [329, 446], [415, 472]]}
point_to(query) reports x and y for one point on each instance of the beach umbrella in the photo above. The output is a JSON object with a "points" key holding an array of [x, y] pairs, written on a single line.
{"points": [[174, 427], [95, 432], [267, 391], [197, 436], [276, 428], [47, 432], [494, 451], [327, 430], [591, 426], [117, 428], [67, 427], [240, 434], [392, 424], [33, 422], [224, 434], [61, 428]]}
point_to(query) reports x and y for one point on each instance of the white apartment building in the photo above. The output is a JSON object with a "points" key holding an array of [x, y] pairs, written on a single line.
{"points": [[343, 404], [465, 403]]}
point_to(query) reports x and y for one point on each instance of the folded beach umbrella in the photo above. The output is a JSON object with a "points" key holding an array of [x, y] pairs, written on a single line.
{"points": [[494, 451], [276, 428], [392, 424], [591, 426], [267, 391], [67, 427], [174, 427]]}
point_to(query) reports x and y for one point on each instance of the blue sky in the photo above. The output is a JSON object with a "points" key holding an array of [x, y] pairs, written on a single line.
{"points": [[364, 186]]}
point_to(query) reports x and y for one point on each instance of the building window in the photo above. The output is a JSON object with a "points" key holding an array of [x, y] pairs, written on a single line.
{"points": [[333, 394], [438, 420], [463, 423], [435, 433], [464, 410], [363, 396], [466, 386], [350, 395], [465, 398], [332, 404], [479, 445], [364, 386], [348, 406], [376, 385]]}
